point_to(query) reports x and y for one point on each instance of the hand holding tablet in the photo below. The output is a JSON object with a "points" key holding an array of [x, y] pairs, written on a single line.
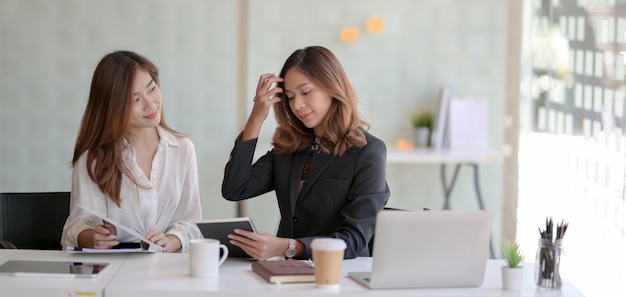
{"points": [[220, 228]]}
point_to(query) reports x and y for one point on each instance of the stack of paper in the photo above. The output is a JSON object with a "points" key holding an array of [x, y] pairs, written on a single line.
{"points": [[460, 124], [468, 124]]}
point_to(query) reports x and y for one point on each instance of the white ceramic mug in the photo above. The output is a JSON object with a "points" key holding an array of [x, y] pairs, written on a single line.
{"points": [[204, 257]]}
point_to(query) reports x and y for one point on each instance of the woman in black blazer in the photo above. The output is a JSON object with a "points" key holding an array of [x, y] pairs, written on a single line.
{"points": [[327, 170]]}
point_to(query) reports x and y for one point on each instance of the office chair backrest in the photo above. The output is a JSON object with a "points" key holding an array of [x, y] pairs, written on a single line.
{"points": [[33, 220]]}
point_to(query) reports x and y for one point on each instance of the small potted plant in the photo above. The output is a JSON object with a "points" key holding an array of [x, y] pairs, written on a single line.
{"points": [[423, 123], [512, 272]]}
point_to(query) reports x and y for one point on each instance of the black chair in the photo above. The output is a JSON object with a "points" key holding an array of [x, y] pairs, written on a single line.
{"points": [[33, 220]]}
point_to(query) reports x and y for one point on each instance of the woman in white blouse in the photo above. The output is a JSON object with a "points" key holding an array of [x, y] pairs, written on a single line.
{"points": [[129, 165]]}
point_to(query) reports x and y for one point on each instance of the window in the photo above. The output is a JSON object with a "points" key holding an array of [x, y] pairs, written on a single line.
{"points": [[572, 148]]}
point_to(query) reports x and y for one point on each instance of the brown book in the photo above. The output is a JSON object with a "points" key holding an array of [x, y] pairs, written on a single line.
{"points": [[288, 271]]}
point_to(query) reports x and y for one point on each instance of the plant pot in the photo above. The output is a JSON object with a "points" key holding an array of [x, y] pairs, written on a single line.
{"points": [[512, 278], [422, 136]]}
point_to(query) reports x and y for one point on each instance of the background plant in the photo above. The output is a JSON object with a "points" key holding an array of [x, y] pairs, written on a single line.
{"points": [[423, 119]]}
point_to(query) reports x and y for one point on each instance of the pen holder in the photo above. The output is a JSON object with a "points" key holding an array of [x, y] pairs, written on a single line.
{"points": [[549, 264]]}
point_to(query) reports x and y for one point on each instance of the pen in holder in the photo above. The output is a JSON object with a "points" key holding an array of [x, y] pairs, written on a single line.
{"points": [[550, 256], [548, 264]]}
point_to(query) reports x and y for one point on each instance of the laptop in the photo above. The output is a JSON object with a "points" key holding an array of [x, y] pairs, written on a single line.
{"points": [[428, 249]]}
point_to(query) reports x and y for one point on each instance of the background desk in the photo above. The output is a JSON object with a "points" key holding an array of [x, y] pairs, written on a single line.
{"points": [[455, 158], [55, 286], [167, 275]]}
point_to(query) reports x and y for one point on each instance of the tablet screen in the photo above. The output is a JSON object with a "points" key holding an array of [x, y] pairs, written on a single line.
{"points": [[52, 268], [220, 228]]}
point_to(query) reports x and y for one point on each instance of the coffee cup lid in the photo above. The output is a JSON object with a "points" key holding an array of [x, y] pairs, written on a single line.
{"points": [[328, 244]]}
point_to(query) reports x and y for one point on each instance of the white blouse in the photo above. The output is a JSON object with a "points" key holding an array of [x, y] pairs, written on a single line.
{"points": [[168, 201]]}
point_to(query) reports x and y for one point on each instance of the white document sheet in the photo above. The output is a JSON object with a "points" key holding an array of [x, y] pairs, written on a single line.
{"points": [[468, 121], [150, 247]]}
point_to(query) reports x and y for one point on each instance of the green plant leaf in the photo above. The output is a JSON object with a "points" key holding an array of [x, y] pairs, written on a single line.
{"points": [[511, 253], [423, 119]]}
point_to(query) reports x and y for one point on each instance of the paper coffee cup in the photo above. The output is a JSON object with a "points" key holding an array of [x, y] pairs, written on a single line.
{"points": [[327, 258]]}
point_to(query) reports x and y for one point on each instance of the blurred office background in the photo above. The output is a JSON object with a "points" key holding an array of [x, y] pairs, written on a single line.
{"points": [[552, 73]]}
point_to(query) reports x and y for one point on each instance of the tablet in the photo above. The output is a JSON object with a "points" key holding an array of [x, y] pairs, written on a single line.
{"points": [[220, 228], [52, 268]]}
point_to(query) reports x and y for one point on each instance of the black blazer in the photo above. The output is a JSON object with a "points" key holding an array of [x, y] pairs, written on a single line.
{"points": [[340, 198]]}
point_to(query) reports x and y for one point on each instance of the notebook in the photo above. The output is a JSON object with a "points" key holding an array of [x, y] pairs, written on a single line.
{"points": [[428, 249], [145, 246]]}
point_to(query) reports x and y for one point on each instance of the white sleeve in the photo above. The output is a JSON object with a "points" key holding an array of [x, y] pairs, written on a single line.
{"points": [[84, 192], [189, 210]]}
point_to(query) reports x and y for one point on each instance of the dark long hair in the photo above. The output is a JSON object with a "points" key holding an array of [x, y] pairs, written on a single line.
{"points": [[107, 119]]}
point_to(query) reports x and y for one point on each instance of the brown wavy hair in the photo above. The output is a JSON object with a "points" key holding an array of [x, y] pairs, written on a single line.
{"points": [[343, 127], [107, 119]]}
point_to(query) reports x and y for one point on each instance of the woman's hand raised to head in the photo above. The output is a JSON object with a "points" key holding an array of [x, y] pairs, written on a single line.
{"points": [[267, 94]]}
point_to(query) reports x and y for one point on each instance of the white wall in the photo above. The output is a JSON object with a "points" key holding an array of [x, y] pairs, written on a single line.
{"points": [[48, 51]]}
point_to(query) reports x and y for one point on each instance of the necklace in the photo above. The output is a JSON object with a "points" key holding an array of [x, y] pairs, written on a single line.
{"points": [[314, 151]]}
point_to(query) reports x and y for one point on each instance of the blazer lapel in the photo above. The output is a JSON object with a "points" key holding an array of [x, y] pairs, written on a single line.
{"points": [[296, 172], [319, 165]]}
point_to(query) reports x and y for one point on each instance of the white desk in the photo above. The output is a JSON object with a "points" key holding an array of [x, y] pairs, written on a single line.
{"points": [[457, 158], [167, 275], [55, 286], [425, 156], [157, 275]]}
